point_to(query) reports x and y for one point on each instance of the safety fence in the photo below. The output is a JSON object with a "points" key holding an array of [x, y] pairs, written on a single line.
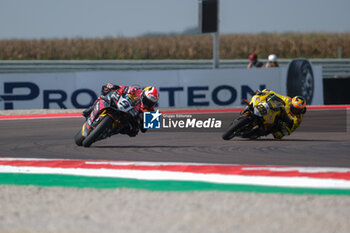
{"points": [[331, 67]]}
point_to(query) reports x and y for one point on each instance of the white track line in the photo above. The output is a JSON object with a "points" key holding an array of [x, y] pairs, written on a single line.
{"points": [[301, 182]]}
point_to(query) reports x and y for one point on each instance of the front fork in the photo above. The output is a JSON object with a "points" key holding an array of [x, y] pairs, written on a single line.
{"points": [[89, 124]]}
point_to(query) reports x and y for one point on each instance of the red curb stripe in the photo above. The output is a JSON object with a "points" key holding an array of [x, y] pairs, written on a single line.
{"points": [[245, 170], [36, 116], [328, 107]]}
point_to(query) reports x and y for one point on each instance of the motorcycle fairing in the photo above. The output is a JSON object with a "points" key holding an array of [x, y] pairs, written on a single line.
{"points": [[100, 105], [275, 104]]}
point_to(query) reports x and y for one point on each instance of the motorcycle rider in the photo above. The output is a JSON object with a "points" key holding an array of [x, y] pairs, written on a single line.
{"points": [[145, 100], [292, 112]]}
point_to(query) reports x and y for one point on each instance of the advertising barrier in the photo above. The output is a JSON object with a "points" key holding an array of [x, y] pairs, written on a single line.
{"points": [[177, 88]]}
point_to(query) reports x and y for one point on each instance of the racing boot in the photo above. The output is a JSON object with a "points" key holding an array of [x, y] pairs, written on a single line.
{"points": [[143, 130], [277, 135], [132, 133]]}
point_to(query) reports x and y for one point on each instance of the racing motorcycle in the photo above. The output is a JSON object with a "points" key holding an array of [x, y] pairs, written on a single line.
{"points": [[112, 114], [259, 118]]}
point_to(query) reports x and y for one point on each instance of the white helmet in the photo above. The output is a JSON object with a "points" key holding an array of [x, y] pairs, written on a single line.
{"points": [[272, 58]]}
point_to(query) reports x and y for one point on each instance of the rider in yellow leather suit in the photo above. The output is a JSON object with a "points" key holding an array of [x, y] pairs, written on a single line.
{"points": [[291, 114]]}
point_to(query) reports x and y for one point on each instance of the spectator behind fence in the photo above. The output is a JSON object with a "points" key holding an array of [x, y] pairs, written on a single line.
{"points": [[272, 61], [254, 63]]}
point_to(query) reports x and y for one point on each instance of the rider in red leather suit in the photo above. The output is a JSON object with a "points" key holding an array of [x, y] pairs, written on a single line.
{"points": [[145, 100]]}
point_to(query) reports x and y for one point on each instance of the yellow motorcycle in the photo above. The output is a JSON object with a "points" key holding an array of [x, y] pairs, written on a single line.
{"points": [[259, 118]]}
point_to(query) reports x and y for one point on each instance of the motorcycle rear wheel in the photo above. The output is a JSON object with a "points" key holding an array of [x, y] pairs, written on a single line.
{"points": [[235, 126], [105, 123]]}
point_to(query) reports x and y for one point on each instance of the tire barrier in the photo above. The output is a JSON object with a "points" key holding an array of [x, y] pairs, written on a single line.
{"points": [[300, 79]]}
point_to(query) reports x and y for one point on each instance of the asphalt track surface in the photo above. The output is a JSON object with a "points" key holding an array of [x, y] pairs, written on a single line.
{"points": [[323, 140]]}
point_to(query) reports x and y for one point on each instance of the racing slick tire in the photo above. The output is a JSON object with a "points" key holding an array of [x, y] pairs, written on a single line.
{"points": [[106, 123], [79, 138], [300, 79], [235, 125]]}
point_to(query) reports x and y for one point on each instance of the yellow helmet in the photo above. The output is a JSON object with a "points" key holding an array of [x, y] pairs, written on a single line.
{"points": [[298, 105]]}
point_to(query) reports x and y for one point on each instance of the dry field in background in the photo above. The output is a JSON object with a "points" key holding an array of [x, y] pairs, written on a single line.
{"points": [[313, 45]]}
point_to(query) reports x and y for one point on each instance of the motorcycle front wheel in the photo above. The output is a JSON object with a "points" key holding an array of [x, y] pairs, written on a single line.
{"points": [[79, 138], [235, 126], [105, 124]]}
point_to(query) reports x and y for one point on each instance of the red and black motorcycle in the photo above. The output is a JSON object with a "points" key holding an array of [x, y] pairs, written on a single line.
{"points": [[113, 113]]}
